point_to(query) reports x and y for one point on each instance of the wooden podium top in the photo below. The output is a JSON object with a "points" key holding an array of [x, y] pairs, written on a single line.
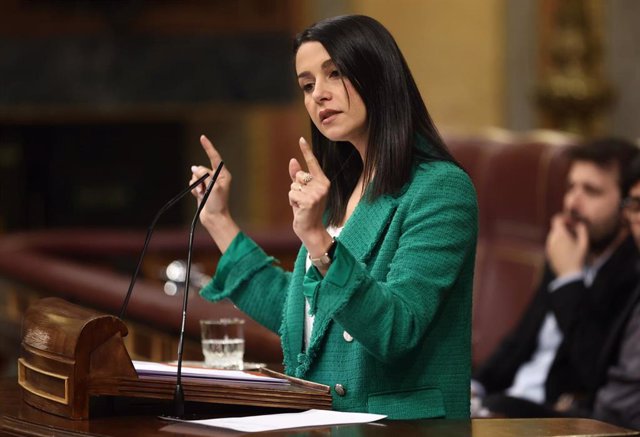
{"points": [[18, 418], [70, 354]]}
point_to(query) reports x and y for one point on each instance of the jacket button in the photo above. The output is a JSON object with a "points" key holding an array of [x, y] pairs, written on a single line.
{"points": [[347, 337], [340, 390]]}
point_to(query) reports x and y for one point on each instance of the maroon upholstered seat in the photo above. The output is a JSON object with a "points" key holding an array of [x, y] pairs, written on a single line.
{"points": [[520, 181]]}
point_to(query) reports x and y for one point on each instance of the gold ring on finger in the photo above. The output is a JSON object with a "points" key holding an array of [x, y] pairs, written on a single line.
{"points": [[307, 178]]}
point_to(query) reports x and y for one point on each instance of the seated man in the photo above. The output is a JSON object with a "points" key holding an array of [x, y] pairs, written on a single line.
{"points": [[618, 401], [589, 276]]}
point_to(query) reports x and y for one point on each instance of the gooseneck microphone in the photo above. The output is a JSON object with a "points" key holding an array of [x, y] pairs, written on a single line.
{"points": [[178, 396], [168, 205]]}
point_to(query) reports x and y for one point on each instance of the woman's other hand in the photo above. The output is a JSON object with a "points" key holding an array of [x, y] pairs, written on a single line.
{"points": [[215, 216], [308, 200]]}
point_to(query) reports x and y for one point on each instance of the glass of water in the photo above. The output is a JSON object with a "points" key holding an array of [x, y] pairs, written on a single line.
{"points": [[223, 343]]}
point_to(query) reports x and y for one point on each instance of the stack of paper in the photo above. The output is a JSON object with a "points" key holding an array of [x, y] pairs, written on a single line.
{"points": [[272, 422], [151, 369]]}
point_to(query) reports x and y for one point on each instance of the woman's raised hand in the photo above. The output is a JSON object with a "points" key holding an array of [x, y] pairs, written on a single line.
{"points": [[218, 199], [215, 216], [308, 199]]}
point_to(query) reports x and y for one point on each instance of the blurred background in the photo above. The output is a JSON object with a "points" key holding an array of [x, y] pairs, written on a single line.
{"points": [[102, 103]]}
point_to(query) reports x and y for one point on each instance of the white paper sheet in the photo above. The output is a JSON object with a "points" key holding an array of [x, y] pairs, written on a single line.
{"points": [[151, 368], [272, 422]]}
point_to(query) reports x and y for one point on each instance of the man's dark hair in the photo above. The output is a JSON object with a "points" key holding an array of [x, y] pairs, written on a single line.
{"points": [[606, 153]]}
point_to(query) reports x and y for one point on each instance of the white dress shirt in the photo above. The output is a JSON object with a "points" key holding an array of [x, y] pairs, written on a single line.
{"points": [[530, 379]]}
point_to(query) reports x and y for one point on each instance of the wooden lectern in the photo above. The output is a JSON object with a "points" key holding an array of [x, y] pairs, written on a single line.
{"points": [[70, 353]]}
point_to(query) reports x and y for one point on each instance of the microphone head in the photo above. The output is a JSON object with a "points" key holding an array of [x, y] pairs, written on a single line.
{"points": [[176, 271]]}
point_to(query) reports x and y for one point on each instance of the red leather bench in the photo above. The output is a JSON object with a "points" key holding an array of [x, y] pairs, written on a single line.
{"points": [[520, 180]]}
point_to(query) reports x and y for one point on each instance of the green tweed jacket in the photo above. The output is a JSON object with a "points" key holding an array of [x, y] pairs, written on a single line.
{"points": [[392, 315]]}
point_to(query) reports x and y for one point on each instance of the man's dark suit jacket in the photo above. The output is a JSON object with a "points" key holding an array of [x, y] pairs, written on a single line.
{"points": [[588, 319]]}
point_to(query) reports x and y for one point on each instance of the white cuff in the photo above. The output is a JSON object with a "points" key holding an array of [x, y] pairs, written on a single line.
{"points": [[564, 280]]}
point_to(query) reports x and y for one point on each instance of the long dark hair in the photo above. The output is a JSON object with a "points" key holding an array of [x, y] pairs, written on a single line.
{"points": [[364, 52]]}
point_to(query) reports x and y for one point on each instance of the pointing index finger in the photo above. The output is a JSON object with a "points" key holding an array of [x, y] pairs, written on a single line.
{"points": [[309, 157], [211, 151]]}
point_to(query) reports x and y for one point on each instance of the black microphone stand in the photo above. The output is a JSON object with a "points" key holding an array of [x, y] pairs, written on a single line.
{"points": [[168, 205], [178, 396]]}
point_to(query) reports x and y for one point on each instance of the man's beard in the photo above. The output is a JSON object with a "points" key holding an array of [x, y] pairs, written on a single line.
{"points": [[599, 245]]}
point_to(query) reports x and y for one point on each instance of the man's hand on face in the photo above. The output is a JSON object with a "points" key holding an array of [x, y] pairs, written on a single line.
{"points": [[567, 245]]}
